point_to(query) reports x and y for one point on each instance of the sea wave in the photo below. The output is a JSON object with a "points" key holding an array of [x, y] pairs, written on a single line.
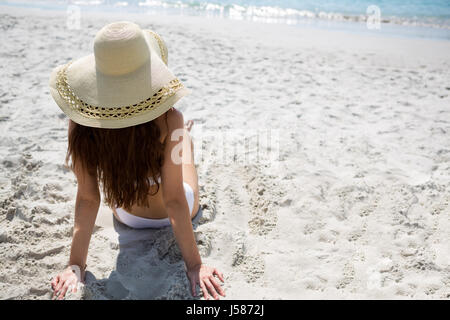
{"points": [[270, 13], [289, 15]]}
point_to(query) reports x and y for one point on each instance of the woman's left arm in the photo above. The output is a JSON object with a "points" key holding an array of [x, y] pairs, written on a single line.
{"points": [[87, 204], [86, 209], [85, 215]]}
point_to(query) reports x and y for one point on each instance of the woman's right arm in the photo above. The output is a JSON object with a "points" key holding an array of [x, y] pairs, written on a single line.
{"points": [[179, 215], [173, 192]]}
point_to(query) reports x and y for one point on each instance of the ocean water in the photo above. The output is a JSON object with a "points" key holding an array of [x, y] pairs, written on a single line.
{"points": [[417, 18]]}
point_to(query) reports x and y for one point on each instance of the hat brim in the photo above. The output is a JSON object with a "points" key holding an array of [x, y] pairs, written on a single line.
{"points": [[97, 89]]}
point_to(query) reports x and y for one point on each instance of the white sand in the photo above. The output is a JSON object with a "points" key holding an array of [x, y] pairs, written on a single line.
{"points": [[358, 206]]}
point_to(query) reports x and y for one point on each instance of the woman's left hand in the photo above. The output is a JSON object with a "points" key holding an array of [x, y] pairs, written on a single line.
{"points": [[204, 276], [67, 280]]}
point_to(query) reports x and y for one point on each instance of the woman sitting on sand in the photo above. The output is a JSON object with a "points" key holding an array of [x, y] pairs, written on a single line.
{"points": [[124, 132]]}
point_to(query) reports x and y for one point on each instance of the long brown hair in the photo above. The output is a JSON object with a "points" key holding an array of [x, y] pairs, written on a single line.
{"points": [[122, 159]]}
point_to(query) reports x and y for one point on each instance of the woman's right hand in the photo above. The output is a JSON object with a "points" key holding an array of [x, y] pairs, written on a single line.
{"points": [[68, 278], [204, 276]]}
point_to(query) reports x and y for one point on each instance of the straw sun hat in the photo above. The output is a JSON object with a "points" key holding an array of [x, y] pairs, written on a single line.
{"points": [[125, 82]]}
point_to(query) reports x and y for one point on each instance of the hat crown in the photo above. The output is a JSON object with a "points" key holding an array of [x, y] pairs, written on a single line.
{"points": [[120, 48]]}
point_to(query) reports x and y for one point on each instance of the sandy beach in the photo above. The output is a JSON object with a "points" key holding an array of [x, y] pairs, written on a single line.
{"points": [[355, 205]]}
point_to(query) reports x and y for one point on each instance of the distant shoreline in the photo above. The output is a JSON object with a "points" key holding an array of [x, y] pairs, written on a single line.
{"points": [[389, 26]]}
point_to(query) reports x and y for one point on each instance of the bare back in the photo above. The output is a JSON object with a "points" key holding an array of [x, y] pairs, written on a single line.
{"points": [[156, 202]]}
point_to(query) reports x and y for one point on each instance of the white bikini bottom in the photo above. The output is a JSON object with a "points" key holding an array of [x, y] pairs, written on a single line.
{"points": [[140, 223]]}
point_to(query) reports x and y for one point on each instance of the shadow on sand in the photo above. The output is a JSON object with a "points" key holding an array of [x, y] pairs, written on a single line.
{"points": [[149, 266]]}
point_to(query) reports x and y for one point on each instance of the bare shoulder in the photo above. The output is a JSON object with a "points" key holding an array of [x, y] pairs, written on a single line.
{"points": [[175, 119], [166, 122]]}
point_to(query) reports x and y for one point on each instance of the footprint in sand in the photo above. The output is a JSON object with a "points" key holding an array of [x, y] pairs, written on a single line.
{"points": [[264, 201], [251, 265]]}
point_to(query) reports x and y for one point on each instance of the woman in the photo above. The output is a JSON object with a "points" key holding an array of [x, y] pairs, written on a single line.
{"points": [[125, 133]]}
